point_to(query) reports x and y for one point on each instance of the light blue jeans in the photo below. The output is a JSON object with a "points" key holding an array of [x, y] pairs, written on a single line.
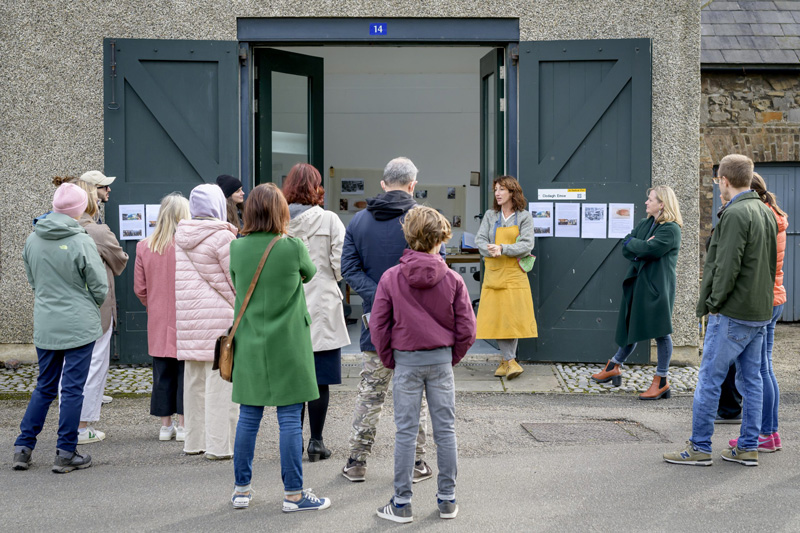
{"points": [[728, 341], [769, 411], [663, 348], [290, 442], [439, 386]]}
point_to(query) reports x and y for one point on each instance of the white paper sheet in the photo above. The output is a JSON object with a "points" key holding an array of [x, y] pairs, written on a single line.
{"points": [[151, 217], [567, 219], [542, 213], [620, 220], [131, 222], [593, 221]]}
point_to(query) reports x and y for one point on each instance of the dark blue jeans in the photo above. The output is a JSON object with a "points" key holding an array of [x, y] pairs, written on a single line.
{"points": [[290, 442], [663, 349], [75, 364]]}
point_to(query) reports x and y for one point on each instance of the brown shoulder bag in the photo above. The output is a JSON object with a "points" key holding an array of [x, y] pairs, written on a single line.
{"points": [[223, 349]]}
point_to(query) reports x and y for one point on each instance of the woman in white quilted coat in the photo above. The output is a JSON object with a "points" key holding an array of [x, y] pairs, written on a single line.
{"points": [[204, 299]]}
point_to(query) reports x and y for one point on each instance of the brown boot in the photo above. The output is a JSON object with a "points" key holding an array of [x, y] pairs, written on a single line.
{"points": [[610, 373], [502, 370], [656, 391]]}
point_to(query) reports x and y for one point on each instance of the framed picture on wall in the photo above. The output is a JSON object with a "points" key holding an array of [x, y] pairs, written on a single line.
{"points": [[475, 179], [353, 186]]}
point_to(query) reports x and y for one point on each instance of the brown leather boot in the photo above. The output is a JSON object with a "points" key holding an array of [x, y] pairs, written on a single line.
{"points": [[610, 373], [655, 391]]}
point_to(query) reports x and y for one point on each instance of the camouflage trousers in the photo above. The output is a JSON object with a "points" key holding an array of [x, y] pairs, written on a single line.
{"points": [[375, 380]]}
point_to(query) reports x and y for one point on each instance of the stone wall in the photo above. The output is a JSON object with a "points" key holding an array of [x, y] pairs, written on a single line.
{"points": [[754, 114], [51, 104]]}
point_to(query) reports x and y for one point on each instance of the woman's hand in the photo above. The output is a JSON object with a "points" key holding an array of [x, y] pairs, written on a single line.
{"points": [[495, 250]]}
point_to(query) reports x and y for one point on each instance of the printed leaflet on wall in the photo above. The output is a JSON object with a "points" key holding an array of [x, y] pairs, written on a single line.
{"points": [[593, 221], [620, 220], [542, 213]]}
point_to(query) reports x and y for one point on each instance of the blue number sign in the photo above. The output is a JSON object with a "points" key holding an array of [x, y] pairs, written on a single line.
{"points": [[378, 28]]}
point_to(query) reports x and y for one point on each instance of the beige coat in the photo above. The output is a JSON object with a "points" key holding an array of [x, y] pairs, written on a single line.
{"points": [[114, 259], [323, 233]]}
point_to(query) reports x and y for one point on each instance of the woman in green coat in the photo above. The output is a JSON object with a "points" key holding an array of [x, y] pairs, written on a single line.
{"points": [[649, 289], [273, 359]]}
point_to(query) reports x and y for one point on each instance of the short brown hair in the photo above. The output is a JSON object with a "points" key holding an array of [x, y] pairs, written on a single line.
{"points": [[303, 185], [424, 227], [738, 169], [265, 210], [511, 184]]}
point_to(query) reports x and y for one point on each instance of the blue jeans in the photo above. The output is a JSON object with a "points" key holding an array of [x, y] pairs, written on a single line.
{"points": [[769, 411], [664, 350], [726, 342], [74, 364], [439, 386], [291, 446]]}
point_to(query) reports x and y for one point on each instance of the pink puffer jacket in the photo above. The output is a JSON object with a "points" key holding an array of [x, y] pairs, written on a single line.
{"points": [[203, 289]]}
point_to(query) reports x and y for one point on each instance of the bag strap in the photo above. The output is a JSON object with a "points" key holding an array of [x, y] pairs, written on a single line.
{"points": [[253, 285]]}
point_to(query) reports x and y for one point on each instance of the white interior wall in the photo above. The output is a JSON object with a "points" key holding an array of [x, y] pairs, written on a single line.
{"points": [[418, 102]]}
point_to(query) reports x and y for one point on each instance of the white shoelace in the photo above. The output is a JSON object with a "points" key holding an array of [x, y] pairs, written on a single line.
{"points": [[310, 496]]}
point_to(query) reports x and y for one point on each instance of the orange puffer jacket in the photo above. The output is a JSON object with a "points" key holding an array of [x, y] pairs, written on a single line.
{"points": [[780, 292]]}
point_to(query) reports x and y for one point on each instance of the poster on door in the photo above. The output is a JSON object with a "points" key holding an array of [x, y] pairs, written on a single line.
{"points": [[131, 222], [542, 213], [593, 221], [620, 220], [151, 217], [567, 219]]}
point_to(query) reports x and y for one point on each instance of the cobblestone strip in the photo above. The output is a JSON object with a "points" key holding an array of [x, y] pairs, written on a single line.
{"points": [[635, 378]]}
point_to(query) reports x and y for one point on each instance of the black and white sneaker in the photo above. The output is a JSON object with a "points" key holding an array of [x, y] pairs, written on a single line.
{"points": [[396, 513], [67, 462]]}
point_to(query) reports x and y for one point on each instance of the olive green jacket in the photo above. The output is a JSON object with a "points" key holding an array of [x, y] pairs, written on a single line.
{"points": [[739, 273]]}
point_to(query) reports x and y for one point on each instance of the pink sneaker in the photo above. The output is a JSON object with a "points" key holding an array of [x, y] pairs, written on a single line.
{"points": [[765, 444], [777, 440]]}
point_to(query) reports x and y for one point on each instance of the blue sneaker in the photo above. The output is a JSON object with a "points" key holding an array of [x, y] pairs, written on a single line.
{"points": [[308, 502], [241, 500], [396, 513]]}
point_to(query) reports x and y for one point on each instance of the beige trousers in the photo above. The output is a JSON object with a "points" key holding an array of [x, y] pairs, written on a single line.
{"points": [[210, 415]]}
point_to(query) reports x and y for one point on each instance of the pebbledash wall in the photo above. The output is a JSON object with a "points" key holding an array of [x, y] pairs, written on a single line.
{"points": [[51, 102], [756, 114]]}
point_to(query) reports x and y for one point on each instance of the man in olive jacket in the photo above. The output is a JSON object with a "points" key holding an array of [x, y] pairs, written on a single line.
{"points": [[736, 292]]}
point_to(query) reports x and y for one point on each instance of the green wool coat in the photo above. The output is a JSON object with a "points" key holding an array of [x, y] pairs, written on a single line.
{"points": [[273, 362], [648, 290]]}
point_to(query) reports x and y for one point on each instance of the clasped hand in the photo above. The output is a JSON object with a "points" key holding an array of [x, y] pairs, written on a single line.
{"points": [[495, 250]]}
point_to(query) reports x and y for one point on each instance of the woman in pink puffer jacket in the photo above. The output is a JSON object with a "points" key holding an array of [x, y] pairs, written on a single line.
{"points": [[204, 299]]}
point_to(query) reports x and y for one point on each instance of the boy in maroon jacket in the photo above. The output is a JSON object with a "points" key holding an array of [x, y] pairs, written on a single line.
{"points": [[422, 324]]}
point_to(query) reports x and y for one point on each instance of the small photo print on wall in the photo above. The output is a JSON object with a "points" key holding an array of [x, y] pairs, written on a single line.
{"points": [[343, 204], [456, 221], [352, 186], [451, 193], [421, 194]]}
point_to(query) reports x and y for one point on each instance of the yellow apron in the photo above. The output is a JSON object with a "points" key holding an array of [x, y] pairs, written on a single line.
{"points": [[506, 307]]}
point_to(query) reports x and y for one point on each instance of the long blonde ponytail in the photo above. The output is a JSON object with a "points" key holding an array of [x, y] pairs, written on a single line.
{"points": [[174, 208]]}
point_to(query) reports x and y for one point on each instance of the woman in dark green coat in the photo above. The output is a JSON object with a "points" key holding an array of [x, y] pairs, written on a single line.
{"points": [[649, 289], [273, 359]]}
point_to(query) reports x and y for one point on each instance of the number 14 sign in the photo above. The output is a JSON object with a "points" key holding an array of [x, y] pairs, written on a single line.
{"points": [[378, 28]]}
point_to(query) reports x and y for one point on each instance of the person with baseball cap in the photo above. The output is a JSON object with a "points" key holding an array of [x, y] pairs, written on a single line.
{"points": [[101, 181]]}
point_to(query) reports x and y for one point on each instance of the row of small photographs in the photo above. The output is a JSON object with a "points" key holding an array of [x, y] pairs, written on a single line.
{"points": [[423, 193], [132, 233], [131, 216]]}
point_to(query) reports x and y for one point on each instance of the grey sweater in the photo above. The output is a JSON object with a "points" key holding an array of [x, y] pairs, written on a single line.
{"points": [[519, 249]]}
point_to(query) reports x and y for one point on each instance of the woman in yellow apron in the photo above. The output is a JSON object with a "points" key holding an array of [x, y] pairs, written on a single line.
{"points": [[505, 312]]}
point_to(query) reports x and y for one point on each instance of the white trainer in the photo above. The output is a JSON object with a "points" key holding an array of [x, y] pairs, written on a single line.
{"points": [[167, 433], [90, 435]]}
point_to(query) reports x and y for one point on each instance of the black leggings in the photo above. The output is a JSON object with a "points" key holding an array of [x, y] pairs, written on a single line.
{"points": [[317, 412]]}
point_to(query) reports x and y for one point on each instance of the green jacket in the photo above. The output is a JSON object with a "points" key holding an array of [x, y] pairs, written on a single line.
{"points": [[648, 288], [273, 362], [69, 283], [739, 273]]}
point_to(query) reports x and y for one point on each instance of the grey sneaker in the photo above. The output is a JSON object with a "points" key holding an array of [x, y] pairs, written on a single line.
{"points": [[69, 461], [689, 456], [22, 458], [394, 513], [738, 455], [447, 508], [421, 471], [355, 470]]}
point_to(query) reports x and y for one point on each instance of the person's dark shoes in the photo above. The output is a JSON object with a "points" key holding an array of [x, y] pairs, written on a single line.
{"points": [[421, 471], [317, 450], [733, 420], [69, 461], [22, 458], [355, 471]]}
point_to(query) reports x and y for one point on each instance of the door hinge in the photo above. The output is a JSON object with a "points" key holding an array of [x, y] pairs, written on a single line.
{"points": [[514, 55], [502, 72], [502, 105]]}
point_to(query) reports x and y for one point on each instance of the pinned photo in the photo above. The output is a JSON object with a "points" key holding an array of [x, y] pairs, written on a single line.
{"points": [[421, 194], [451, 193], [343, 204], [456, 221]]}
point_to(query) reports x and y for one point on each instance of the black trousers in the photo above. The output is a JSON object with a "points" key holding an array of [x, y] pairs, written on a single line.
{"points": [[167, 398], [730, 401]]}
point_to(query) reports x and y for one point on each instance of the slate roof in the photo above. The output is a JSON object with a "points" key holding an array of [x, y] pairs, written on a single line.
{"points": [[751, 33]]}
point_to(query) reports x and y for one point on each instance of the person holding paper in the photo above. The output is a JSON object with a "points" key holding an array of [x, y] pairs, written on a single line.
{"points": [[506, 309], [648, 289]]}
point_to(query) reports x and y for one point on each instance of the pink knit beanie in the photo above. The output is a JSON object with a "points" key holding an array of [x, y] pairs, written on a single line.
{"points": [[70, 200]]}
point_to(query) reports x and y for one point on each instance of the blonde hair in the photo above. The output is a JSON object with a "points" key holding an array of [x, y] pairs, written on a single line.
{"points": [[91, 192], [671, 212], [174, 208], [424, 228]]}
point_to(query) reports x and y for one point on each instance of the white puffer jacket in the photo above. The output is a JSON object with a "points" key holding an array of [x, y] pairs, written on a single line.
{"points": [[323, 233], [204, 293]]}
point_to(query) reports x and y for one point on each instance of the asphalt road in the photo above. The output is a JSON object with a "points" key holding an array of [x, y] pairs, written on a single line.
{"points": [[608, 477]]}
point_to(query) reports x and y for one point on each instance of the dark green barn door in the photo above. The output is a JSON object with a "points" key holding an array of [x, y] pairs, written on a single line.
{"points": [[289, 113], [171, 123], [584, 122]]}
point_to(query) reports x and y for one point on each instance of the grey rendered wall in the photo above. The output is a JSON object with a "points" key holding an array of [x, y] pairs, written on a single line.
{"points": [[51, 102]]}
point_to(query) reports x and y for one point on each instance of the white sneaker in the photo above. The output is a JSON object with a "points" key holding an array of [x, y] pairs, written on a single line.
{"points": [[180, 434], [107, 399], [166, 433], [90, 435]]}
